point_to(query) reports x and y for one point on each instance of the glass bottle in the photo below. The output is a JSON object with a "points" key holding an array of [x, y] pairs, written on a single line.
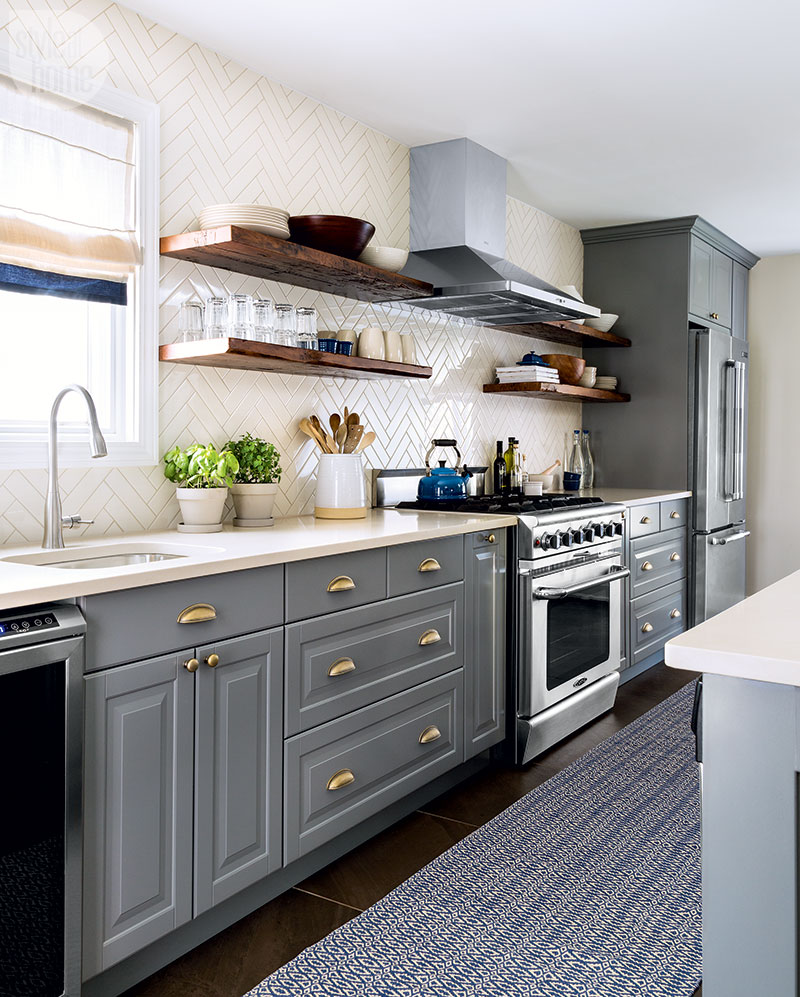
{"points": [[515, 481], [509, 457], [587, 481], [499, 475], [576, 457], [523, 469]]}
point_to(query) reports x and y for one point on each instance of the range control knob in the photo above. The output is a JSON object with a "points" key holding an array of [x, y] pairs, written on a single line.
{"points": [[551, 541], [608, 529], [577, 536], [566, 538], [588, 534], [619, 529]]}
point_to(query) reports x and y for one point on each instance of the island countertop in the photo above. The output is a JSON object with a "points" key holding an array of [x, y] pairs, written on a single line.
{"points": [[756, 639], [292, 539]]}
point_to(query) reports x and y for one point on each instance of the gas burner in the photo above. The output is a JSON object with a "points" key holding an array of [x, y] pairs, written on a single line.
{"points": [[513, 505]]}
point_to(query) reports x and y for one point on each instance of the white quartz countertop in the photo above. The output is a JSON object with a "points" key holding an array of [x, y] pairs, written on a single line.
{"points": [[292, 539], [637, 496], [756, 639]]}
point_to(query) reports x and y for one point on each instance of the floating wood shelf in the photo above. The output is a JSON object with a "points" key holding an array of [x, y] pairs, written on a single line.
{"points": [[566, 333], [245, 354], [244, 251], [557, 392]]}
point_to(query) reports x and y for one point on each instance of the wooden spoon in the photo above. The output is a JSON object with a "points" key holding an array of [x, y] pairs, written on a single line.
{"points": [[330, 445], [353, 419], [354, 434], [366, 440], [335, 421], [341, 437], [307, 428]]}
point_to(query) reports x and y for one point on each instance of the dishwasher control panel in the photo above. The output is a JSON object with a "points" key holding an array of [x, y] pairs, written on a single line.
{"points": [[26, 624]]}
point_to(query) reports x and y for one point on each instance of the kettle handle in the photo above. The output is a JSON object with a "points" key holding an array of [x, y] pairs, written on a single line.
{"points": [[449, 444]]}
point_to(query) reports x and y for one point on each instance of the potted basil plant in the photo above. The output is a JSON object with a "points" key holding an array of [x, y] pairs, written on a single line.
{"points": [[202, 476], [256, 483]]}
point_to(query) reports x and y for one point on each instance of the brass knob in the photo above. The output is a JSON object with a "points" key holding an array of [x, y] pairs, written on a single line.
{"points": [[647, 628], [714, 315], [341, 583], [675, 614], [645, 519], [431, 733], [191, 665], [430, 637], [674, 515], [491, 538], [674, 556], [212, 660], [341, 667], [200, 612], [341, 779], [430, 564], [647, 566]]}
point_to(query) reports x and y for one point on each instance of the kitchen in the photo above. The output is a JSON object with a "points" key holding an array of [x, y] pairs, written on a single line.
{"points": [[443, 617]]}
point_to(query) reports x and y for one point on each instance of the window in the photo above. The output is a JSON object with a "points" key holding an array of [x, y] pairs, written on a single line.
{"points": [[78, 268]]}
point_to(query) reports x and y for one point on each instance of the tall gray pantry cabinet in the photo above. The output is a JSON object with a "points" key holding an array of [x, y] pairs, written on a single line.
{"points": [[289, 705]]}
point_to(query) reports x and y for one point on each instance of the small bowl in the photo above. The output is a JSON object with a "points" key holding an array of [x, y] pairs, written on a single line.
{"points": [[572, 481], [344, 347], [602, 322], [385, 258], [570, 369], [327, 345], [337, 234], [546, 480], [588, 378]]}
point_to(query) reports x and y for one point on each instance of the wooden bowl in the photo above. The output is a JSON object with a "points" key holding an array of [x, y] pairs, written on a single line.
{"points": [[337, 234], [570, 369]]}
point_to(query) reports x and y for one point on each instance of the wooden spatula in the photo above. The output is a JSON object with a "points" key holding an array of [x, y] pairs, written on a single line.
{"points": [[354, 434], [366, 440]]}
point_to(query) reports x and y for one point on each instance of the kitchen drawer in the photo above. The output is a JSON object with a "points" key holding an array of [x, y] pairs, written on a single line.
{"points": [[339, 774], [644, 519], [342, 662], [657, 561], [674, 513], [140, 623], [328, 584], [655, 618], [426, 564]]}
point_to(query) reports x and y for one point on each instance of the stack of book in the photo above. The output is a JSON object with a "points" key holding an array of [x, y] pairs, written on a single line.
{"points": [[527, 372]]}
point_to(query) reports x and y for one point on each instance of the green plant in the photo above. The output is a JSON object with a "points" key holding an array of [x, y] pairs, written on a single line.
{"points": [[258, 461], [200, 466]]}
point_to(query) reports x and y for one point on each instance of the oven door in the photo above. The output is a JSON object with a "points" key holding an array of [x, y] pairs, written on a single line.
{"points": [[571, 629]]}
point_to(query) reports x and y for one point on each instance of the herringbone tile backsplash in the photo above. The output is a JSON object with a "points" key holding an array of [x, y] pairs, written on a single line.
{"points": [[228, 134]]}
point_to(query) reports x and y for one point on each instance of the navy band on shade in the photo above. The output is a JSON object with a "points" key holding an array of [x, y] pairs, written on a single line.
{"points": [[60, 285]]}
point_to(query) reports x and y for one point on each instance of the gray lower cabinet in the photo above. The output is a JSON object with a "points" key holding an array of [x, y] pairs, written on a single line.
{"points": [[485, 640]]}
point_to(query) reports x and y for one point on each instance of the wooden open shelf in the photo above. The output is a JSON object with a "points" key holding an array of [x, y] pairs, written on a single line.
{"points": [[245, 354], [244, 251], [557, 392], [566, 333]]}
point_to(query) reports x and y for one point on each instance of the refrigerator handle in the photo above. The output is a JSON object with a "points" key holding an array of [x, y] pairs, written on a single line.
{"points": [[733, 470], [738, 490]]}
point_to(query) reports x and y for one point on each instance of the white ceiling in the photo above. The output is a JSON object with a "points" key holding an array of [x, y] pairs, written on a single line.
{"points": [[607, 110]]}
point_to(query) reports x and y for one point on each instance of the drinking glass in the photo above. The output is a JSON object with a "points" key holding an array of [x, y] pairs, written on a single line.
{"points": [[215, 323], [307, 328], [241, 316], [263, 320], [190, 321], [285, 325]]}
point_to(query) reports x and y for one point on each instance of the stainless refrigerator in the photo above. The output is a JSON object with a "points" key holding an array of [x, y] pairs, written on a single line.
{"points": [[719, 445]]}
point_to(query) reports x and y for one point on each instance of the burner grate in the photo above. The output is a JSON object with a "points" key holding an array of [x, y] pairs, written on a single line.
{"points": [[512, 505]]}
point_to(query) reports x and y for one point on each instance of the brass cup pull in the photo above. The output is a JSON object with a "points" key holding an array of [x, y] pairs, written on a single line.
{"points": [[675, 614], [431, 733], [430, 637], [647, 628], [200, 612], [191, 665], [430, 564], [491, 538], [341, 667], [645, 520], [715, 315], [212, 660], [341, 583], [675, 556], [647, 566], [674, 515], [341, 779]]}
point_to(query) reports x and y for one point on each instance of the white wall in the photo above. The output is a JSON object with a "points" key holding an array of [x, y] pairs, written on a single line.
{"points": [[773, 474]]}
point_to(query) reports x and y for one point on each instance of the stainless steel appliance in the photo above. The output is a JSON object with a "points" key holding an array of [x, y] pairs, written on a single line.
{"points": [[41, 719], [718, 472]]}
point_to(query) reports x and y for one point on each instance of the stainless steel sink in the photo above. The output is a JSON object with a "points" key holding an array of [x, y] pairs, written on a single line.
{"points": [[114, 560], [100, 556]]}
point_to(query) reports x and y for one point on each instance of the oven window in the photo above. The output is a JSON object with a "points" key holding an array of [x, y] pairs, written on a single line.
{"points": [[577, 634]]}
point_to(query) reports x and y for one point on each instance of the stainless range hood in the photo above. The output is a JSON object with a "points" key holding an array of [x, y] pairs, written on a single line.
{"points": [[458, 242]]}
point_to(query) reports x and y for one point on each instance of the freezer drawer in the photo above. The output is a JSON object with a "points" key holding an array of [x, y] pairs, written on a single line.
{"points": [[719, 571]]}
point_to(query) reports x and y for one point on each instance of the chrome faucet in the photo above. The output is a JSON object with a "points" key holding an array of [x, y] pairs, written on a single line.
{"points": [[53, 520]]}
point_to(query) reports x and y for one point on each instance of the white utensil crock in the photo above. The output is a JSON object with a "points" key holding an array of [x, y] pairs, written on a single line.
{"points": [[341, 488]]}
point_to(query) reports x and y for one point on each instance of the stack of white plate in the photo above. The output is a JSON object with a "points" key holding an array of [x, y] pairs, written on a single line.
{"points": [[258, 217], [534, 373], [606, 383]]}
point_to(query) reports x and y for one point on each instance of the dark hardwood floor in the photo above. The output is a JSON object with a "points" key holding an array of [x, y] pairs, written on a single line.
{"points": [[236, 960]]}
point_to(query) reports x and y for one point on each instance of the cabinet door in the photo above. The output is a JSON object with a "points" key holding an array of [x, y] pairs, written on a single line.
{"points": [[722, 289], [741, 278], [137, 807], [485, 643], [701, 278], [238, 762]]}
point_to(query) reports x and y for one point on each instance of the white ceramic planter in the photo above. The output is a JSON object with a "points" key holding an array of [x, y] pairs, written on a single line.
{"points": [[202, 508], [253, 504], [341, 489]]}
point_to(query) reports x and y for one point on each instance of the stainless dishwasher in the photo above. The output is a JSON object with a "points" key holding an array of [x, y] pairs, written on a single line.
{"points": [[41, 727]]}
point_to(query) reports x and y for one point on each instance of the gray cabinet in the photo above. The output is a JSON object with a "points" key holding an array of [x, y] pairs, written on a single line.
{"points": [[137, 807], [237, 758], [328, 584], [425, 565], [485, 640], [711, 284], [740, 289]]}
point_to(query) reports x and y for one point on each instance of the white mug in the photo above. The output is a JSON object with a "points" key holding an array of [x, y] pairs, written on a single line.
{"points": [[370, 343], [392, 346], [341, 488], [409, 348], [348, 336]]}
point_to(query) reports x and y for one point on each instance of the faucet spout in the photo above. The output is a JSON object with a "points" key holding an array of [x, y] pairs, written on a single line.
{"points": [[53, 520]]}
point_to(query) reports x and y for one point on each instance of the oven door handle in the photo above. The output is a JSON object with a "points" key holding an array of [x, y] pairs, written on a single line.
{"points": [[615, 575]]}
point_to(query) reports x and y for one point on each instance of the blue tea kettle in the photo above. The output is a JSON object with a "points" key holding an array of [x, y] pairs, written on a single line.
{"points": [[442, 483]]}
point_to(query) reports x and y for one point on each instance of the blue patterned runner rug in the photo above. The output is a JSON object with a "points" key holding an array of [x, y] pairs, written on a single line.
{"points": [[589, 886]]}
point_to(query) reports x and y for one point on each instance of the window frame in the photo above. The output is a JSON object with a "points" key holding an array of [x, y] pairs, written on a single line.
{"points": [[142, 309]]}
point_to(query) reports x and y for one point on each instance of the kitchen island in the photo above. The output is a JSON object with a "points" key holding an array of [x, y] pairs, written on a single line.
{"points": [[750, 748]]}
